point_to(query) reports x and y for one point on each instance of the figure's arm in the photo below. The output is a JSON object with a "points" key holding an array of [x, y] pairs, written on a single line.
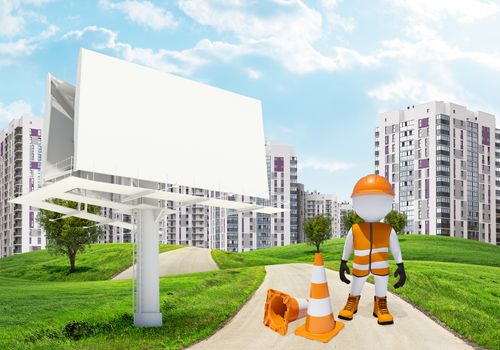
{"points": [[395, 248], [348, 245], [396, 253]]}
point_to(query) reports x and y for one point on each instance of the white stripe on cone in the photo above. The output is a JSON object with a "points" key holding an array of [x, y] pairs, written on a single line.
{"points": [[318, 275], [302, 307], [319, 307]]}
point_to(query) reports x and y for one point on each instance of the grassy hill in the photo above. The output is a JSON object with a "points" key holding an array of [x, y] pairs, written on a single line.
{"points": [[424, 248], [97, 262], [97, 314], [456, 280], [43, 306]]}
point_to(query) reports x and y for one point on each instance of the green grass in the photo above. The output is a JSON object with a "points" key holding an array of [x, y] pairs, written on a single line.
{"points": [[97, 262], [456, 280], [52, 315], [463, 296], [427, 248]]}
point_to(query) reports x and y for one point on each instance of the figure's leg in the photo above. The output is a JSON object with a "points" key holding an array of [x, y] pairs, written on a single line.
{"points": [[381, 285], [351, 306], [357, 285], [380, 309]]}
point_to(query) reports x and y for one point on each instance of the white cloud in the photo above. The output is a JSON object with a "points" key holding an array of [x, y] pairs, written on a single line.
{"points": [[143, 13], [14, 110], [411, 89], [13, 18], [24, 46], [466, 11], [288, 35], [183, 62], [254, 74], [329, 166]]}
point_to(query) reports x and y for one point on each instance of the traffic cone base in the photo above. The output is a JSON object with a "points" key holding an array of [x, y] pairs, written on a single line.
{"points": [[322, 337], [281, 309]]}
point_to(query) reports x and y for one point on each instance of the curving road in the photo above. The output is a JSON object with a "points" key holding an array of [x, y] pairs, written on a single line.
{"points": [[412, 329], [180, 261]]}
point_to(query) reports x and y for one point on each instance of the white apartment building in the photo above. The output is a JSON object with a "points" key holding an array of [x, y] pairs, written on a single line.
{"points": [[497, 183], [195, 225], [251, 231], [301, 212], [20, 162], [324, 204], [282, 177], [439, 158], [344, 208]]}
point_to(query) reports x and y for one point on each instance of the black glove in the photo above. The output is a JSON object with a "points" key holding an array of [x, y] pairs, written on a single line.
{"points": [[343, 269], [400, 271]]}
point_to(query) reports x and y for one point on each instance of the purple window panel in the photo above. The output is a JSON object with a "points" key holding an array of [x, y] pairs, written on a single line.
{"points": [[35, 165], [426, 227], [423, 163], [1, 149], [426, 188], [386, 139], [387, 171], [386, 149], [423, 123], [279, 164], [486, 135], [36, 132], [31, 219]]}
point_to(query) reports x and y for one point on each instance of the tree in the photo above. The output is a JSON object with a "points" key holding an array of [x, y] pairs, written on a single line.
{"points": [[397, 220], [350, 218], [68, 236], [317, 230]]}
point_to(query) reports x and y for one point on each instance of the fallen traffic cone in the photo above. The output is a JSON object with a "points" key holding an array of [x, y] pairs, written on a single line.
{"points": [[320, 323], [281, 309]]}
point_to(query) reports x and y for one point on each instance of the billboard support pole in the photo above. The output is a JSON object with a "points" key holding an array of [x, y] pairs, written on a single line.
{"points": [[148, 271]]}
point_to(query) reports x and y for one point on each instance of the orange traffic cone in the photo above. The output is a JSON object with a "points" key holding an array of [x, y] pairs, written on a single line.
{"points": [[281, 309], [320, 323]]}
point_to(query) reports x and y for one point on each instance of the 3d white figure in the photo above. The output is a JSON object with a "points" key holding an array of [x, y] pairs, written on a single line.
{"points": [[371, 240]]}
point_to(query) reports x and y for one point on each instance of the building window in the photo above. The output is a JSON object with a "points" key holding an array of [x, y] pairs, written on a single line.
{"points": [[279, 164], [424, 122]]}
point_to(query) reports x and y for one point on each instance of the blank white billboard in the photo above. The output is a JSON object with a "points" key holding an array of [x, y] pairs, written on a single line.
{"points": [[137, 122]]}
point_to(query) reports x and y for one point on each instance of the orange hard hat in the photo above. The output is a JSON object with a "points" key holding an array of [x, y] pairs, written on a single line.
{"points": [[372, 184]]}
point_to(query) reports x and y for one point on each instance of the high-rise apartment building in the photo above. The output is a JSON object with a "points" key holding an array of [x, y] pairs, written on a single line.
{"points": [[195, 225], [344, 208], [324, 204], [497, 183], [440, 158], [251, 231], [282, 177], [20, 162], [301, 211]]}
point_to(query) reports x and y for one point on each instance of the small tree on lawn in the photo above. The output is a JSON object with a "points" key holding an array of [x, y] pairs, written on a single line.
{"points": [[397, 220], [68, 236], [317, 230], [350, 218]]}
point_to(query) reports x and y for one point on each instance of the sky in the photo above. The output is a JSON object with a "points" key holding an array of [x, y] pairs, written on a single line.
{"points": [[323, 69]]}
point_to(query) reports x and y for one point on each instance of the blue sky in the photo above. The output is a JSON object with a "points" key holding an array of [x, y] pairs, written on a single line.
{"points": [[323, 69]]}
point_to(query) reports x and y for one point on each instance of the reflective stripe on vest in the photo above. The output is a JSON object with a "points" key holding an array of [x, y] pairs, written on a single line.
{"points": [[371, 247]]}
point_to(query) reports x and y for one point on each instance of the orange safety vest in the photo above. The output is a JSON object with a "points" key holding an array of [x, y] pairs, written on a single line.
{"points": [[371, 246]]}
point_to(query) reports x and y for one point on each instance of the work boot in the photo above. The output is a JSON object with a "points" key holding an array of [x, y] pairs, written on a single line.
{"points": [[350, 308], [381, 312]]}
